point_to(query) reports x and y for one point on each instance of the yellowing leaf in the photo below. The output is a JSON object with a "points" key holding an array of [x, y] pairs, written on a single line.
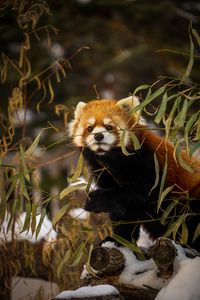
{"points": [[60, 213], [71, 189]]}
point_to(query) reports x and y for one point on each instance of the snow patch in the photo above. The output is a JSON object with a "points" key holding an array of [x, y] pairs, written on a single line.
{"points": [[46, 232], [185, 283], [89, 291], [79, 213]]}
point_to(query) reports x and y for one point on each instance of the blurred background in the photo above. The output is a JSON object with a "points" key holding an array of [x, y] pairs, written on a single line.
{"points": [[57, 53]]}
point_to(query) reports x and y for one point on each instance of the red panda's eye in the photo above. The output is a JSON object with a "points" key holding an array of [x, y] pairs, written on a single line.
{"points": [[109, 127], [90, 128]]}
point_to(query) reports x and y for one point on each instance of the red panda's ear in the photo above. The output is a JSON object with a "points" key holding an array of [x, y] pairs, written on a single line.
{"points": [[79, 110], [128, 103]]}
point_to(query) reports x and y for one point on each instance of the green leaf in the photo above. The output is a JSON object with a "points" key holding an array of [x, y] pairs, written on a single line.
{"points": [[33, 146], [162, 109], [149, 99], [60, 213], [16, 206], [196, 35], [79, 168], [33, 217], [63, 263], [167, 211], [122, 144], [197, 136], [42, 216], [27, 220], [23, 186], [141, 88], [157, 171], [184, 234], [127, 244], [71, 189], [191, 60], [3, 206], [173, 228], [190, 123], [163, 195], [162, 184], [177, 224], [136, 143], [178, 155], [196, 233], [24, 167], [77, 256], [180, 118]]}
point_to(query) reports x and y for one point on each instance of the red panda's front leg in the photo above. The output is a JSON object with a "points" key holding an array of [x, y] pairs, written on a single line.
{"points": [[127, 200]]}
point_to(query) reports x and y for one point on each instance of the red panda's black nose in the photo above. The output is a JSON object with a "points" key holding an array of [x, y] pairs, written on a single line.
{"points": [[98, 136]]}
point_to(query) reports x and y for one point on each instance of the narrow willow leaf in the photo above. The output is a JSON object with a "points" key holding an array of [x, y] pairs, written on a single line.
{"points": [[167, 122], [197, 136], [79, 168], [51, 91], [127, 244], [178, 156], [162, 183], [141, 88], [3, 206], [162, 109], [22, 184], [60, 213], [77, 256], [12, 186], [163, 195], [184, 234], [136, 143], [71, 189], [42, 216], [27, 220], [122, 144], [191, 60], [33, 218], [149, 99], [157, 172], [196, 35], [180, 118], [63, 263], [177, 224], [190, 123], [24, 167], [167, 211], [16, 206], [33, 146], [171, 228], [196, 233]]}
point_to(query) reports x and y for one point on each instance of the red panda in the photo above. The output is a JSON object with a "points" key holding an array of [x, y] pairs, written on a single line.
{"points": [[126, 181]]}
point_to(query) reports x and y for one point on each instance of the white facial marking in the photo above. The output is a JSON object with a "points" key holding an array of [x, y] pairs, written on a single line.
{"points": [[107, 121], [91, 121], [103, 145]]}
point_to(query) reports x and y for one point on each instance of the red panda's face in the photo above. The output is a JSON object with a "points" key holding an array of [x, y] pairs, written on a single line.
{"points": [[98, 125]]}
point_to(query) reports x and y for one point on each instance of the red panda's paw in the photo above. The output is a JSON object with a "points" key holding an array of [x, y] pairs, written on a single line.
{"points": [[94, 202]]}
